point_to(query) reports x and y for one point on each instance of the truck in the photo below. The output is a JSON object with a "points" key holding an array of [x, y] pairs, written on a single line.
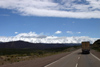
{"points": [[86, 47]]}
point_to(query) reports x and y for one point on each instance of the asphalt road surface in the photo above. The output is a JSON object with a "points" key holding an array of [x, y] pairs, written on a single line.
{"points": [[76, 59]]}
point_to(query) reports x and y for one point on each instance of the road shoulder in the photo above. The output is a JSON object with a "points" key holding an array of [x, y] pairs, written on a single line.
{"points": [[96, 53], [38, 62]]}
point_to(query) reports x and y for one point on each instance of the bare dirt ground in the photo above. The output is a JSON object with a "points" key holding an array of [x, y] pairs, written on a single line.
{"points": [[38, 62]]}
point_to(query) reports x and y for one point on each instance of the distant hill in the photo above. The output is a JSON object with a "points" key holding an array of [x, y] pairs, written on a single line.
{"points": [[27, 45], [97, 43]]}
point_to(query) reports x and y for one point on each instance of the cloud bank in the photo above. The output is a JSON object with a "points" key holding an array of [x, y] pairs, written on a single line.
{"points": [[38, 38], [54, 8]]}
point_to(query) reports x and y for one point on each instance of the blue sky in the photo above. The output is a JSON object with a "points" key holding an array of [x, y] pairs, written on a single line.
{"points": [[69, 17], [11, 23]]}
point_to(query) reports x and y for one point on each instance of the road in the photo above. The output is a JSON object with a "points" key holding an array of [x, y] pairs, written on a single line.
{"points": [[76, 59]]}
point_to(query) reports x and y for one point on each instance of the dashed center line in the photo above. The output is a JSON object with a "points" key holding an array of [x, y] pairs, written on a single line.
{"points": [[76, 65], [78, 57]]}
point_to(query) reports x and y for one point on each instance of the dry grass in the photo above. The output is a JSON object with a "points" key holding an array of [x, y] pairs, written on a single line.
{"points": [[17, 55]]}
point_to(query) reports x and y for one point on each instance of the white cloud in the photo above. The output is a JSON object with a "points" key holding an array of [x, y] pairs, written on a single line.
{"points": [[78, 32], [30, 34], [16, 32], [37, 38], [58, 32], [60, 8], [69, 32]]}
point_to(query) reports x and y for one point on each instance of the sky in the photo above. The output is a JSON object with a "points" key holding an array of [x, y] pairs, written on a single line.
{"points": [[50, 21]]}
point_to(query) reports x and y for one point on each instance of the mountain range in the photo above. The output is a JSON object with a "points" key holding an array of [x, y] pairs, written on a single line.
{"points": [[22, 44]]}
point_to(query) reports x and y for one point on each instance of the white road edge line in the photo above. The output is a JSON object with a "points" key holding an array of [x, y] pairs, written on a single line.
{"points": [[95, 56], [59, 59], [76, 65], [56, 61]]}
